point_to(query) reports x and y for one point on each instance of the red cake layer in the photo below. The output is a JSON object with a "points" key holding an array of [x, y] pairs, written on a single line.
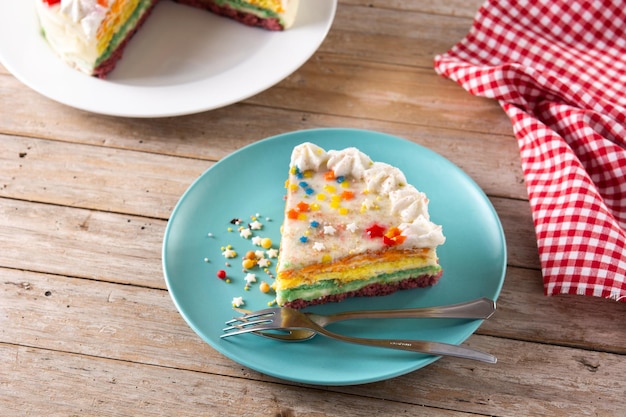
{"points": [[241, 17], [371, 290]]}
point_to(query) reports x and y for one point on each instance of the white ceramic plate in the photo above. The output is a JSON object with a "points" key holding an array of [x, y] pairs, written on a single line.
{"points": [[182, 61]]}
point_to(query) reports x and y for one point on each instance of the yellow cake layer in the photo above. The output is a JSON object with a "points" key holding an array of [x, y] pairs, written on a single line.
{"points": [[357, 267]]}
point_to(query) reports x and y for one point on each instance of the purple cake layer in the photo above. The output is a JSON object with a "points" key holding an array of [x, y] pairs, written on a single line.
{"points": [[241, 17], [371, 290]]}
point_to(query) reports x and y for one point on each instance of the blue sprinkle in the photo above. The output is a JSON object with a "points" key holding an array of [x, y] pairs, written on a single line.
{"points": [[309, 191], [303, 239], [299, 175], [303, 184], [314, 223], [340, 179]]}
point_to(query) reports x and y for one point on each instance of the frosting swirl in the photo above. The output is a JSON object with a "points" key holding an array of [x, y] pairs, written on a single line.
{"points": [[349, 161], [308, 156], [383, 178], [422, 233], [409, 203]]}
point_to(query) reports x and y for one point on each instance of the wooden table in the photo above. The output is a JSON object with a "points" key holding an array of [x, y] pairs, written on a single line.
{"points": [[87, 326]]}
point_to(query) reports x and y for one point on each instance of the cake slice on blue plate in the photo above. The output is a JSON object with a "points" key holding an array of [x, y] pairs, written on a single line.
{"points": [[352, 227]]}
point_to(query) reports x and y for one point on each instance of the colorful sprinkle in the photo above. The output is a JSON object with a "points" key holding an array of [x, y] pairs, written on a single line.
{"points": [[256, 225], [375, 231], [221, 274], [248, 263]]}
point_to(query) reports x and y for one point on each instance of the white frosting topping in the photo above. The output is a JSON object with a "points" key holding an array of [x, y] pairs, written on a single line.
{"points": [[349, 161], [370, 208], [88, 13], [383, 178], [409, 203], [422, 233], [308, 156]]}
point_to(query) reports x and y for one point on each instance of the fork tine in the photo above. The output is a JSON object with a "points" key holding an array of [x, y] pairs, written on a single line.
{"points": [[232, 324], [230, 331], [254, 314]]}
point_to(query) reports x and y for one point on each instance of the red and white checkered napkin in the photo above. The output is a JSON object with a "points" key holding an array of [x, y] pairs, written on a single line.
{"points": [[558, 68]]}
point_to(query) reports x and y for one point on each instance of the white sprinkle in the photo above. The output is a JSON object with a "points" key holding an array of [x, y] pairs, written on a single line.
{"points": [[272, 253], [319, 246], [250, 278], [256, 225], [245, 233], [238, 301], [329, 230], [256, 240], [351, 227]]}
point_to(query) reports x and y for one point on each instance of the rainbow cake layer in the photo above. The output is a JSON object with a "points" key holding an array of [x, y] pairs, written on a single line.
{"points": [[352, 227], [90, 35]]}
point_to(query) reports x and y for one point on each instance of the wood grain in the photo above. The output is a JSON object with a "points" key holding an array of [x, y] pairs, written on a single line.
{"points": [[87, 326]]}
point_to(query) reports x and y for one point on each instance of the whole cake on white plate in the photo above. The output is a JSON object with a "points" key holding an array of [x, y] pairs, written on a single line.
{"points": [[90, 35]]}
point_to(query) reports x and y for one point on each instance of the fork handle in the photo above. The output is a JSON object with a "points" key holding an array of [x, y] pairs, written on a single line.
{"points": [[481, 308], [420, 346]]}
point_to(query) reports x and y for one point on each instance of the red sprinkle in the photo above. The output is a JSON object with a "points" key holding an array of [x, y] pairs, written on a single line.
{"points": [[221, 274], [375, 231], [51, 2]]}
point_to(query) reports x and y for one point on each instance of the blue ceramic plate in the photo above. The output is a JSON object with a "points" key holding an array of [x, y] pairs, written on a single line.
{"points": [[250, 182]]}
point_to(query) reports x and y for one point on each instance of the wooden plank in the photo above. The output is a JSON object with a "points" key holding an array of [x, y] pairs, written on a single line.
{"points": [[528, 380], [95, 177], [491, 160], [464, 8], [44, 383], [81, 243], [381, 33], [352, 88], [124, 248], [326, 84], [140, 325], [42, 305], [525, 313]]}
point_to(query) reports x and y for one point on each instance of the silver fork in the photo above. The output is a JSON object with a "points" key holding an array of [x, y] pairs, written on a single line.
{"points": [[287, 318], [481, 308]]}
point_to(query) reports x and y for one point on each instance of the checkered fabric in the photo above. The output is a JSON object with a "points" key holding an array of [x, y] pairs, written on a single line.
{"points": [[558, 68]]}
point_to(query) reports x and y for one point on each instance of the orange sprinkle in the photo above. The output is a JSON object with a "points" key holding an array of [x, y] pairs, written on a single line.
{"points": [[395, 236], [329, 175], [347, 195], [302, 207]]}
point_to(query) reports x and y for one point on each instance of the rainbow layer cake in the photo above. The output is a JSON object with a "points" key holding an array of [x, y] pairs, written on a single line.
{"points": [[90, 35], [352, 227]]}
